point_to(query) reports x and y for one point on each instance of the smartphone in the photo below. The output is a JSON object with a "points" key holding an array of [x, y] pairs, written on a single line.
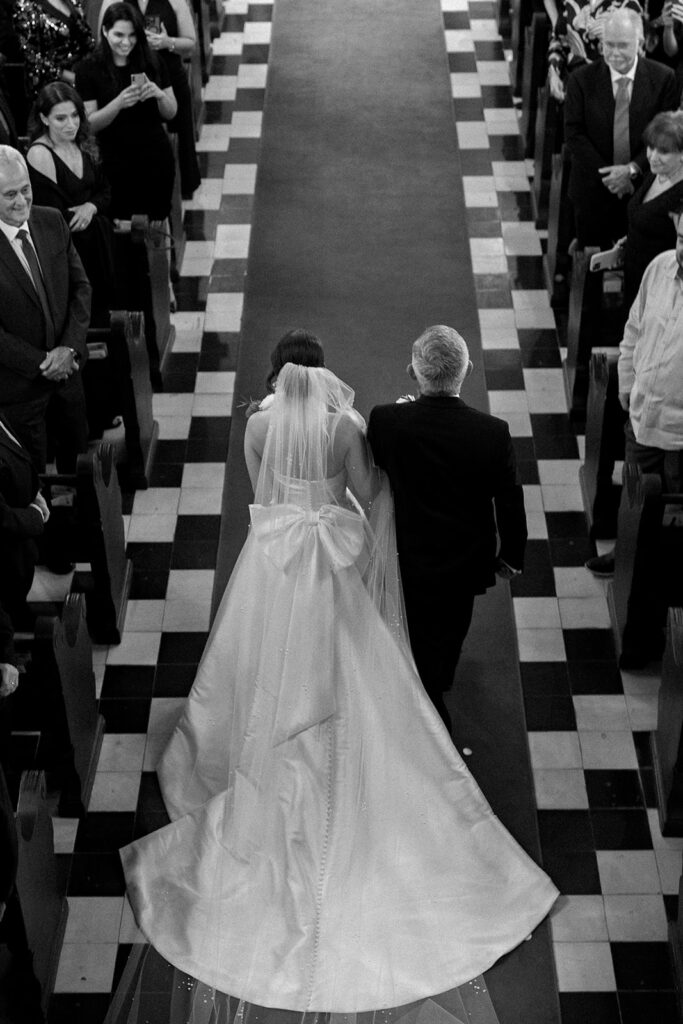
{"points": [[138, 78], [610, 259], [153, 23]]}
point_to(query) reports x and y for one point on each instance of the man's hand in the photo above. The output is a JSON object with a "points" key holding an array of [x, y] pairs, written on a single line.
{"points": [[9, 678], [39, 500], [58, 364], [505, 571], [625, 400], [555, 85], [81, 216], [617, 179]]}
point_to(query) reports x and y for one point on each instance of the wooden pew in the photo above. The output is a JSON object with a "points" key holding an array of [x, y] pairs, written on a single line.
{"points": [[143, 267], [177, 240], [585, 298], [43, 906], [647, 576], [534, 75], [521, 13], [667, 740], [555, 259], [604, 445], [120, 383], [547, 142], [100, 542], [501, 9], [203, 23]]}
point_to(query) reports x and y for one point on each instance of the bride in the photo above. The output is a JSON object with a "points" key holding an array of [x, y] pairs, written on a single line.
{"points": [[328, 851]]}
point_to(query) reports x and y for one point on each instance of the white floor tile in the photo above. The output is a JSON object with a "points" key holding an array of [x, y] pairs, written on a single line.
{"points": [[210, 382], [484, 29], [465, 85], [628, 871], [536, 613], [501, 122], [201, 501], [213, 405], [224, 311], [472, 135], [256, 33], [121, 752], [64, 831], [156, 500], [480, 190], [214, 138], [603, 711], [151, 528], [642, 711], [252, 76], [537, 526], [94, 919], [239, 179], [584, 613], [576, 581], [129, 932], [521, 238], [541, 645], [560, 789], [220, 87], [115, 791], [562, 497], [459, 41], [554, 750], [86, 967], [558, 471], [636, 918], [501, 402], [579, 919], [164, 714], [669, 867], [493, 72], [203, 474], [246, 124], [143, 616], [232, 241], [135, 649], [584, 967], [608, 749]]}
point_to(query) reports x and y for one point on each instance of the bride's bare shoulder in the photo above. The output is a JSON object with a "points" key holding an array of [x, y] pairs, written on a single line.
{"points": [[257, 428], [351, 423]]}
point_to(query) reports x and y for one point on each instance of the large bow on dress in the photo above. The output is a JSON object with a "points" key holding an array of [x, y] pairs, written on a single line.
{"points": [[283, 531]]}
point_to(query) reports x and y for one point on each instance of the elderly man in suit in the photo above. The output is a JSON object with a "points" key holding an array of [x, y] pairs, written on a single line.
{"points": [[44, 316], [609, 104], [453, 475]]}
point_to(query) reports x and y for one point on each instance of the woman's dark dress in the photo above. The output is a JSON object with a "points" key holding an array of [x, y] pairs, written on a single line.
{"points": [[183, 123], [136, 152], [95, 245], [51, 42], [650, 231]]}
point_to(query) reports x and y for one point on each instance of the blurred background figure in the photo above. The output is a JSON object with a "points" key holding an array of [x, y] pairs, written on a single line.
{"points": [[54, 35]]}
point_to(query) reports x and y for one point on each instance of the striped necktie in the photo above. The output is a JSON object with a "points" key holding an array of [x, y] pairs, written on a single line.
{"points": [[622, 138], [36, 277]]}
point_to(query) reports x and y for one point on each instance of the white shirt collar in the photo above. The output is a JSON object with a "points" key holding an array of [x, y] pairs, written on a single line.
{"points": [[616, 75], [10, 232]]}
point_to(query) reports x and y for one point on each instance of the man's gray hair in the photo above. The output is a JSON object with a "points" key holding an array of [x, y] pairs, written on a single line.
{"points": [[626, 14], [440, 360], [11, 157]]}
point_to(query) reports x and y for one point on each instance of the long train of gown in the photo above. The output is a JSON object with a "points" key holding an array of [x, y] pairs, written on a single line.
{"points": [[329, 850]]}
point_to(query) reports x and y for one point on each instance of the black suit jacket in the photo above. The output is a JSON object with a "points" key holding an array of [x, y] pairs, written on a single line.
{"points": [[589, 116], [19, 524], [22, 327], [453, 474]]}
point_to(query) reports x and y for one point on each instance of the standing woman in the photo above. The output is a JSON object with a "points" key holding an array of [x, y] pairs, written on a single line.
{"points": [[170, 32], [128, 98], [66, 173], [53, 35]]}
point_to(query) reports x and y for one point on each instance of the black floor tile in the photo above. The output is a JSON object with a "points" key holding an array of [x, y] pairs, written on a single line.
{"points": [[528, 472], [125, 715], [149, 584], [488, 50], [230, 272], [526, 272], [150, 556], [642, 965], [589, 644], [200, 226], [207, 450], [174, 680], [249, 99], [524, 448], [195, 555], [649, 787], [181, 648], [192, 528], [560, 446], [492, 298], [544, 678], [219, 111], [496, 96], [131, 682], [166, 474], [642, 741], [503, 369], [225, 64], [468, 109], [570, 551], [150, 797], [214, 427], [549, 714], [537, 568], [462, 62], [589, 1008], [259, 12], [613, 788], [212, 164], [515, 205], [506, 147], [594, 677], [475, 161], [621, 830], [565, 524], [104, 832], [147, 822], [78, 1008], [575, 873], [170, 451], [243, 151], [96, 874], [456, 20], [648, 1008], [236, 209], [483, 222], [565, 831]]}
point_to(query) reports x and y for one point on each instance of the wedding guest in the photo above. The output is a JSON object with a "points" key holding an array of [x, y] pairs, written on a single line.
{"points": [[170, 31], [129, 98], [54, 35], [66, 173]]}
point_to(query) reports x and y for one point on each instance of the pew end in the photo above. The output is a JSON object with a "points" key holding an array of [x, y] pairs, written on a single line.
{"points": [[604, 445], [667, 752]]}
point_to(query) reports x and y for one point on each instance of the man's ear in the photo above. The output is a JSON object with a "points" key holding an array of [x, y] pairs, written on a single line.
{"points": [[470, 367], [410, 371]]}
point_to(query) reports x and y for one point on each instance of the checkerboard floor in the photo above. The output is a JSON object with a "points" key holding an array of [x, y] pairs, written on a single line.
{"points": [[588, 723]]}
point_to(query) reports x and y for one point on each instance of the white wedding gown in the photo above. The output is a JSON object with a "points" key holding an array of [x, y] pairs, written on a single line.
{"points": [[328, 850]]}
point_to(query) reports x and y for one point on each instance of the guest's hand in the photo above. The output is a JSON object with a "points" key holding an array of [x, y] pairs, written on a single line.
{"points": [[9, 679], [159, 40], [58, 364], [402, 399], [42, 505], [677, 12], [617, 179], [151, 91], [82, 215], [129, 96]]}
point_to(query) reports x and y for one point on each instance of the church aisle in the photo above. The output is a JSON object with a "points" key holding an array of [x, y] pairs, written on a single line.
{"points": [[587, 722]]}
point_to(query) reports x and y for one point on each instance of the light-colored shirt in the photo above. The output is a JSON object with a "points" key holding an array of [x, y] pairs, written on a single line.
{"points": [[11, 233], [651, 356], [616, 77]]}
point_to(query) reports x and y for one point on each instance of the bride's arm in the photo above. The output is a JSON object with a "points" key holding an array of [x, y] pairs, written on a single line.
{"points": [[254, 440], [363, 476]]}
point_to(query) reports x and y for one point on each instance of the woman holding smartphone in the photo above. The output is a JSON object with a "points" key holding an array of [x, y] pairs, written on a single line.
{"points": [[170, 32], [128, 98]]}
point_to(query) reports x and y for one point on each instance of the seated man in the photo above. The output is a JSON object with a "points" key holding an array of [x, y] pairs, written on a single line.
{"points": [[44, 316]]}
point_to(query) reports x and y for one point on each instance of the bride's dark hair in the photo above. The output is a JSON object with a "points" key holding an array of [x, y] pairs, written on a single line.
{"points": [[297, 346]]}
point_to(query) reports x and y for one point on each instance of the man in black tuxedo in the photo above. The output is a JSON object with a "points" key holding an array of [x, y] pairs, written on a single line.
{"points": [[44, 316], [609, 104], [453, 475]]}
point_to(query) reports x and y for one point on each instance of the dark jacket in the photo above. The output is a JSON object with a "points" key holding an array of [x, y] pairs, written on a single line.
{"points": [[453, 474], [22, 328]]}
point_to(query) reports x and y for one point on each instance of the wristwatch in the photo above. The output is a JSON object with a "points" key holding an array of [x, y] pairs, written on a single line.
{"points": [[74, 355]]}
